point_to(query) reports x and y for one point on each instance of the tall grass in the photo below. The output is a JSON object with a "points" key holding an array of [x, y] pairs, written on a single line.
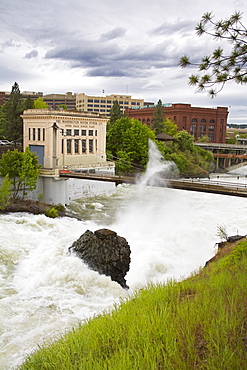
{"points": [[199, 323]]}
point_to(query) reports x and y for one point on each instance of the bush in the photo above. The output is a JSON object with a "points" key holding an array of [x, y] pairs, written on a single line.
{"points": [[52, 213]]}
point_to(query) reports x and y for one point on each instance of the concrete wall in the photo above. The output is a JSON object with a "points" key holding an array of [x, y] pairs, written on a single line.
{"points": [[52, 190]]}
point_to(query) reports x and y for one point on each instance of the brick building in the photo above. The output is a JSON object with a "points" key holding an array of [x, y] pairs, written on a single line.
{"points": [[196, 121]]}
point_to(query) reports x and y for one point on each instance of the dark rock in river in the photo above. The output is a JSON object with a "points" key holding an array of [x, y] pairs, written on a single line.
{"points": [[105, 252]]}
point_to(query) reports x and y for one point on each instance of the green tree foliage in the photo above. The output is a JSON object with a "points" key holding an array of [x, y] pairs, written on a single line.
{"points": [[170, 127], [40, 104], [12, 124], [2, 120], [115, 114], [158, 118], [27, 104], [127, 144], [5, 192], [221, 66], [191, 160], [22, 168], [62, 106]]}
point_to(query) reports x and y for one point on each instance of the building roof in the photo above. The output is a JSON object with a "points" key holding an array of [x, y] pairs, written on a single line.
{"points": [[164, 137]]}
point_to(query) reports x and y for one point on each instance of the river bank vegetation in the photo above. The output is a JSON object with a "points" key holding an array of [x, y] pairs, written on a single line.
{"points": [[127, 146], [199, 323]]}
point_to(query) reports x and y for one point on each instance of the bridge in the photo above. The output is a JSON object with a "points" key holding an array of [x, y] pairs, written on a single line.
{"points": [[202, 185], [226, 155]]}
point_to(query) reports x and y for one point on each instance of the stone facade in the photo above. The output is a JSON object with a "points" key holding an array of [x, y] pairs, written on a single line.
{"points": [[63, 138]]}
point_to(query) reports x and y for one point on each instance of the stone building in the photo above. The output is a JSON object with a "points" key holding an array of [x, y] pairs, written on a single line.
{"points": [[63, 139], [196, 121]]}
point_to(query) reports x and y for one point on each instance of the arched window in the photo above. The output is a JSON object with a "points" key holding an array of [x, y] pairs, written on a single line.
{"points": [[194, 120], [203, 120], [212, 121]]}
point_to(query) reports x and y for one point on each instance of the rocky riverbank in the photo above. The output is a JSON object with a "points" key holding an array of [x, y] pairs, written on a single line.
{"points": [[32, 206]]}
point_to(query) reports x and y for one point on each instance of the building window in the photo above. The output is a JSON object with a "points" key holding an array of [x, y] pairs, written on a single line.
{"points": [[222, 121], [29, 134], [76, 132], [202, 128], [133, 103], [212, 121], [62, 146], [90, 100], [68, 146], [175, 119], [211, 137], [33, 133], [194, 120], [184, 119], [211, 128], [95, 133], [203, 120], [96, 100], [68, 132], [90, 146], [76, 141], [43, 134], [90, 133], [83, 132], [39, 138], [193, 128], [102, 101], [83, 146]]}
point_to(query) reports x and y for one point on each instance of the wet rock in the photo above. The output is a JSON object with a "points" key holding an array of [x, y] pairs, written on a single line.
{"points": [[105, 252]]}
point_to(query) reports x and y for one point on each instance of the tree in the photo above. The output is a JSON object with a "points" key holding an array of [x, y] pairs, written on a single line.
{"points": [[5, 192], [13, 126], [170, 127], [28, 103], [115, 113], [190, 159], [158, 118], [221, 67], [40, 103], [22, 168], [127, 144]]}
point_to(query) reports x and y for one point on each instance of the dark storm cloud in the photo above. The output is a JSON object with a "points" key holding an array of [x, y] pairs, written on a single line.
{"points": [[113, 34], [100, 59], [32, 54]]}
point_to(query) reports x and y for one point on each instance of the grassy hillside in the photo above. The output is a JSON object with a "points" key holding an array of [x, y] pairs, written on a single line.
{"points": [[200, 323]]}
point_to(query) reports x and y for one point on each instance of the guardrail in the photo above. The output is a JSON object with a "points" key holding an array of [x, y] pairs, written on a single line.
{"points": [[203, 185]]}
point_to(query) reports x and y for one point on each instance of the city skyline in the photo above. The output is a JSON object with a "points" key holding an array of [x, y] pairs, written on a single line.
{"points": [[119, 48]]}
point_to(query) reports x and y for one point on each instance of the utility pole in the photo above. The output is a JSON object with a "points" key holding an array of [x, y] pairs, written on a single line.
{"points": [[54, 156]]}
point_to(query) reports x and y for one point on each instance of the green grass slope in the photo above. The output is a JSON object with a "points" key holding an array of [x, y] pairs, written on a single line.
{"points": [[199, 323]]}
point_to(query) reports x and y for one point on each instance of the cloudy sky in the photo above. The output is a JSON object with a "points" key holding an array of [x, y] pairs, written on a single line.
{"points": [[122, 47]]}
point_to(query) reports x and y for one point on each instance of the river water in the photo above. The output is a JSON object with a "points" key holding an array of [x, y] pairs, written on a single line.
{"points": [[45, 291]]}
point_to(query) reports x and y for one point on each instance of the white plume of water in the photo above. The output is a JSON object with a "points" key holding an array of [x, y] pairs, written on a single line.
{"points": [[158, 170]]}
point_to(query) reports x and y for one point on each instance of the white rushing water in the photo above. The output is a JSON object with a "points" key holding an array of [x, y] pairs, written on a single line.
{"points": [[45, 291]]}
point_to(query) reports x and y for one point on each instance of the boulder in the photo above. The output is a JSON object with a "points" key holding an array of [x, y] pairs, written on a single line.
{"points": [[105, 252]]}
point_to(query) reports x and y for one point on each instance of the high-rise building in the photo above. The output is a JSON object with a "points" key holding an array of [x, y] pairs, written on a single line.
{"points": [[103, 104]]}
